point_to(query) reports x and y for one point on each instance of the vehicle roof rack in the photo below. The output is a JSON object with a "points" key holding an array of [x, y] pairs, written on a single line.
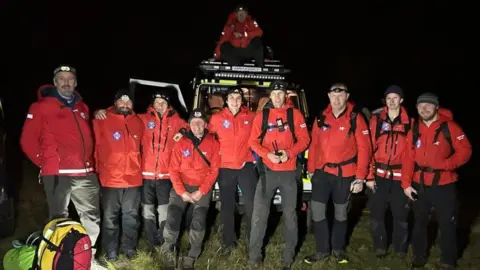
{"points": [[272, 70]]}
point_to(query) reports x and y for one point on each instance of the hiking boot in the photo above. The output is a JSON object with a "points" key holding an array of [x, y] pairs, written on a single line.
{"points": [[380, 253], [112, 256], [287, 267], [130, 253], [445, 266], [316, 257], [340, 256], [169, 261], [418, 262], [253, 265], [401, 254], [225, 251], [188, 263]]}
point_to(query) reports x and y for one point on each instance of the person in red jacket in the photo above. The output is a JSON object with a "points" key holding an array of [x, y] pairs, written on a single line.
{"points": [[338, 158], [241, 39], [388, 131], [193, 170], [439, 147], [161, 123], [277, 143], [232, 126], [118, 159], [57, 137]]}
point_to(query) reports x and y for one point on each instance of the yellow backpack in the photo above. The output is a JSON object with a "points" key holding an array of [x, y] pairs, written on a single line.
{"points": [[65, 245]]}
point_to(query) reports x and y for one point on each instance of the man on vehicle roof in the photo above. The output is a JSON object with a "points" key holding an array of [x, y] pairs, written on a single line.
{"points": [[57, 137], [161, 122], [338, 158], [240, 40], [278, 135], [232, 126], [388, 129], [438, 147]]}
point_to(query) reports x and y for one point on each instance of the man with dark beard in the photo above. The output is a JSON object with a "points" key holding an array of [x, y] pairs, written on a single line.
{"points": [[118, 160], [438, 147]]}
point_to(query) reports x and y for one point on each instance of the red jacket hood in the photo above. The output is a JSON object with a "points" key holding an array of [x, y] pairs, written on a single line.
{"points": [[445, 114], [47, 90], [232, 18]]}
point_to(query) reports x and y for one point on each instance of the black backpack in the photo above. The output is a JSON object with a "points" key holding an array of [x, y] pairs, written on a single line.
{"points": [[443, 128], [353, 119], [291, 125]]}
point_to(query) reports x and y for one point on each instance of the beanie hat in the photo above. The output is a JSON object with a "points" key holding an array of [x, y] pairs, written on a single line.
{"points": [[162, 96], [394, 89], [197, 113], [123, 94], [428, 98]]}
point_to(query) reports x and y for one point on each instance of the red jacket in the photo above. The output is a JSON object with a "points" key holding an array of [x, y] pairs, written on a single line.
{"points": [[249, 28], [233, 133], [390, 147], [283, 139], [187, 166], [117, 150], [157, 142], [332, 144], [427, 153], [57, 136]]}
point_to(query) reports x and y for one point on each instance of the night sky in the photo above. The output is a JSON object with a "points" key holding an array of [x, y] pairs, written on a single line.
{"points": [[419, 46]]}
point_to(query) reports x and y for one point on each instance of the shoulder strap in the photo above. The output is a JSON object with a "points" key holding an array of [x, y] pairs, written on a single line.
{"points": [[378, 127], [195, 146], [320, 119], [291, 123], [415, 133], [265, 114], [353, 122], [446, 134]]}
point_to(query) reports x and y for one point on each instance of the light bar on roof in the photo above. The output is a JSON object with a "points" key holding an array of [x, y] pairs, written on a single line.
{"points": [[232, 75]]}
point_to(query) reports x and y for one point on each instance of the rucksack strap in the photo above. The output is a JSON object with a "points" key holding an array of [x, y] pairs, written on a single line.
{"points": [[195, 143], [265, 114], [291, 123], [446, 134]]}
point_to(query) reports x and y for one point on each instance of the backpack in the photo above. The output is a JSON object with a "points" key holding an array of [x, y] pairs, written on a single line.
{"points": [[64, 245], [265, 126], [21, 256], [378, 127], [443, 128], [353, 119]]}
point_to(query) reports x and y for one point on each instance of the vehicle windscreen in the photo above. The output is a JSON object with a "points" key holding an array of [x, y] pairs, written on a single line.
{"points": [[212, 97]]}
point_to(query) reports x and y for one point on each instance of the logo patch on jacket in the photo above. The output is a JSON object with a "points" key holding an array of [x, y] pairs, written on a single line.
{"points": [[385, 126], [151, 125], [117, 135], [186, 153], [418, 143], [82, 114], [226, 123], [271, 126]]}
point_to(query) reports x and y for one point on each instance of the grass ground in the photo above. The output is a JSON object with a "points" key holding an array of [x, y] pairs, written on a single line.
{"points": [[32, 211]]}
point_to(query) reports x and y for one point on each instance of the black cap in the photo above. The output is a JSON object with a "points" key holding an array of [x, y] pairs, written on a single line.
{"points": [[338, 87], [394, 89], [123, 94], [65, 68], [278, 85], [197, 113], [160, 95], [234, 90], [428, 98]]}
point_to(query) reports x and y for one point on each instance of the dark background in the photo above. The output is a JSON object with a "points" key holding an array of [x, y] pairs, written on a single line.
{"points": [[421, 46]]}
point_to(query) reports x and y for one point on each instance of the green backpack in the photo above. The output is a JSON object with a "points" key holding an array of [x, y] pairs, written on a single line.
{"points": [[21, 256]]}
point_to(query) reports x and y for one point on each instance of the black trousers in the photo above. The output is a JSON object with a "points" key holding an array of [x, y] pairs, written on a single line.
{"points": [[155, 196], [124, 204], [324, 187], [246, 178], [389, 193], [237, 56], [443, 199]]}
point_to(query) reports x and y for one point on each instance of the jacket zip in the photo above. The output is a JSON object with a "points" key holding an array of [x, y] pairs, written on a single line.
{"points": [[158, 151], [83, 140]]}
